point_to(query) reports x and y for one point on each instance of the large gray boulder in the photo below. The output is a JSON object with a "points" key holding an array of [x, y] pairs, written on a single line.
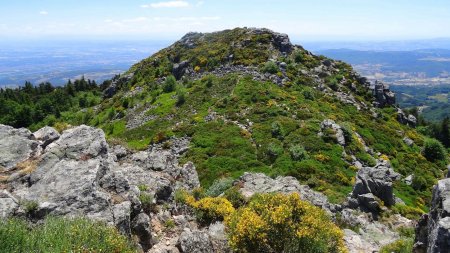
{"points": [[9, 205], [46, 135], [16, 145], [337, 129], [433, 230], [69, 178], [252, 183], [179, 69], [377, 181], [195, 242]]}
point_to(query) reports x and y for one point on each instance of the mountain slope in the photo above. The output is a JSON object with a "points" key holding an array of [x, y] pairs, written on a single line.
{"points": [[247, 100]]}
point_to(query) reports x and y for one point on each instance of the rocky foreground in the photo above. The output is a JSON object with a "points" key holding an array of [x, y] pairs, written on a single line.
{"points": [[77, 173]]}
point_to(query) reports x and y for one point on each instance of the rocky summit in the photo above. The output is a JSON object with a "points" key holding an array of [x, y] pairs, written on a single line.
{"points": [[233, 141]]}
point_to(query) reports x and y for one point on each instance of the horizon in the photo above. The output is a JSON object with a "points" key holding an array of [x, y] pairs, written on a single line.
{"points": [[323, 20]]}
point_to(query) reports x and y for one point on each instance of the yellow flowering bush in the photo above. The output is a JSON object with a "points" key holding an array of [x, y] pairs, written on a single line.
{"points": [[208, 209], [283, 223], [211, 209]]}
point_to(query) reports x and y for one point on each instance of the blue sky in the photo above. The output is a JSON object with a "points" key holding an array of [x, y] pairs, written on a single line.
{"points": [[147, 19]]}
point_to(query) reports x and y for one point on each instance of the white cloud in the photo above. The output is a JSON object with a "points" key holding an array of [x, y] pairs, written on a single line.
{"points": [[199, 3], [168, 4], [43, 13]]}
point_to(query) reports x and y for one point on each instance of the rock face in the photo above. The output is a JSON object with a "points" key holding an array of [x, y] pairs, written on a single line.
{"points": [[252, 183], [433, 229], [338, 133], [409, 120], [78, 174], [179, 69], [373, 183], [16, 145], [383, 95]]}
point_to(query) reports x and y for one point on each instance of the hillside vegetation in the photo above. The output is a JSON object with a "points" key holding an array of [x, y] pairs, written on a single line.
{"points": [[251, 102]]}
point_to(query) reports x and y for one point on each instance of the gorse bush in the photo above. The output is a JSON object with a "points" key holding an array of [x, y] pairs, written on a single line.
{"points": [[270, 222], [298, 153], [283, 223], [61, 235], [433, 150]]}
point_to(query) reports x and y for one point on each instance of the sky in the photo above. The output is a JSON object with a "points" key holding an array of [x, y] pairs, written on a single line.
{"points": [[159, 20]]}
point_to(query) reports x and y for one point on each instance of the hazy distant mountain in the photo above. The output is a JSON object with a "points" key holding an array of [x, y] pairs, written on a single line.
{"points": [[403, 45], [57, 62]]}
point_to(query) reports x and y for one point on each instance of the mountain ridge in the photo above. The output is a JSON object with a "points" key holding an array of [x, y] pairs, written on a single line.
{"points": [[247, 100]]}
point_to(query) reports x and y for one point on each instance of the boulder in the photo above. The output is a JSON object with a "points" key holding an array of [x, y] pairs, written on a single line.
{"points": [[408, 141], [252, 183], [195, 242], [179, 69], [8, 204], [337, 129], [409, 120], [46, 135], [376, 180], [16, 145], [142, 229], [69, 177]]}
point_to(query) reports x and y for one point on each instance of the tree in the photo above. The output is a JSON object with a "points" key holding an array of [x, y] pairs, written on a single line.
{"points": [[445, 132], [434, 150], [170, 84]]}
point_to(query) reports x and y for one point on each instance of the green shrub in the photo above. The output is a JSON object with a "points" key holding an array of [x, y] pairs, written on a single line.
{"points": [[181, 97], [169, 84], [169, 224], [270, 67], [433, 150], [219, 186], [61, 235], [274, 150], [307, 94], [147, 202], [298, 153], [413, 213], [277, 130], [298, 57], [404, 245], [30, 206], [283, 223], [235, 197]]}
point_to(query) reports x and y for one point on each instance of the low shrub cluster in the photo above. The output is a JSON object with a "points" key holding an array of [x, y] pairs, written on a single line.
{"points": [[283, 223], [269, 222]]}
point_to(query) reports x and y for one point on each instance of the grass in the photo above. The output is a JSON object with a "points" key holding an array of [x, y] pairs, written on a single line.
{"points": [[61, 235]]}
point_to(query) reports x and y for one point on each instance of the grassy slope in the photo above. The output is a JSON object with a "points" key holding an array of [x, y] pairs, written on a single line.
{"points": [[222, 149]]}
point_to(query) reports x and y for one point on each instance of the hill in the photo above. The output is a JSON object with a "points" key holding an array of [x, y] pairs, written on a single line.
{"points": [[247, 100]]}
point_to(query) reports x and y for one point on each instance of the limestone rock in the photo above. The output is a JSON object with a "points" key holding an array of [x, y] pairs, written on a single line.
{"points": [[141, 227], [433, 230], [179, 69], [252, 183], [378, 181], [46, 135], [195, 242], [339, 133], [16, 145], [8, 204]]}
